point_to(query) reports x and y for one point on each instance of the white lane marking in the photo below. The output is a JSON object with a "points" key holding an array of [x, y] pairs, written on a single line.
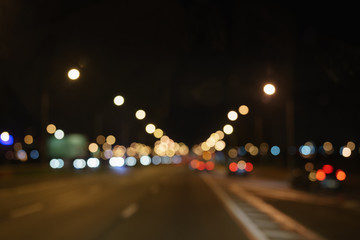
{"points": [[274, 213], [251, 229], [130, 210], [33, 208]]}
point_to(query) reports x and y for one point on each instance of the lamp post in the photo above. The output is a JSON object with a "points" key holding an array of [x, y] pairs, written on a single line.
{"points": [[73, 74], [269, 89]]}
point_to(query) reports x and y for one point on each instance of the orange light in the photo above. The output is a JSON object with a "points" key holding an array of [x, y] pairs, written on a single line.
{"points": [[201, 166], [320, 175], [210, 166], [340, 175], [249, 167], [328, 168], [206, 155], [194, 163], [233, 167]]}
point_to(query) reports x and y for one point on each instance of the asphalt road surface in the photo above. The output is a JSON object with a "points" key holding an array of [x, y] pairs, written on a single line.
{"points": [[169, 202]]}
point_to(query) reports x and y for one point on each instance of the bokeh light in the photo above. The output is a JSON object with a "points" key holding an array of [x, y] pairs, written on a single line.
{"points": [[93, 162], [51, 128], [232, 115], [228, 129], [56, 163], [232, 153], [116, 162], [130, 161], [59, 134], [79, 163], [150, 128], [269, 89], [5, 136], [100, 139], [275, 150], [233, 167], [28, 139], [340, 175], [220, 145], [243, 110], [34, 154], [158, 133], [119, 100], [93, 147], [110, 139], [320, 175], [73, 74], [140, 114], [345, 152], [145, 160]]}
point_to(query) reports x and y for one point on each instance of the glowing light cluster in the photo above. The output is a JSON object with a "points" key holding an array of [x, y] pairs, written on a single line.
{"points": [[56, 163]]}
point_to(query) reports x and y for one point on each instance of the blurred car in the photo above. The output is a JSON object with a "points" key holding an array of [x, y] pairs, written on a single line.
{"points": [[239, 167]]}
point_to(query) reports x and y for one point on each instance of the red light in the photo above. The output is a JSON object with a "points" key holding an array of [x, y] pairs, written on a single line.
{"points": [[210, 166], [320, 175], [328, 168], [340, 175], [249, 167], [233, 167], [194, 163], [201, 166]]}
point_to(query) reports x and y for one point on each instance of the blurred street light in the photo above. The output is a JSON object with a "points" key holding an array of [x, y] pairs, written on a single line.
{"points": [[73, 74], [243, 110], [269, 89], [150, 128], [119, 100], [140, 114], [232, 115], [59, 134], [228, 129]]}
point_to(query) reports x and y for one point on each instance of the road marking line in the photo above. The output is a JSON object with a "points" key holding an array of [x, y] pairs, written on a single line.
{"points": [[274, 213], [37, 207], [130, 210], [251, 229]]}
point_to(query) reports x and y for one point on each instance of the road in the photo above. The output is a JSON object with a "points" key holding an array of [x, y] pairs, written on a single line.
{"points": [[169, 202]]}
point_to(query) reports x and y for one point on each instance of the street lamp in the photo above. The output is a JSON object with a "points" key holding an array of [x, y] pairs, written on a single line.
{"points": [[119, 100], [269, 89], [73, 74]]}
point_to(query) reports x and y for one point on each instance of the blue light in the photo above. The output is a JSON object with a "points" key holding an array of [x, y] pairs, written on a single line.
{"points": [[242, 151], [305, 150], [34, 154], [275, 150], [10, 141]]}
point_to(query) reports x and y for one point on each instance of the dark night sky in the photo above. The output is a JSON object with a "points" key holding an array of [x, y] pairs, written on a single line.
{"points": [[187, 63]]}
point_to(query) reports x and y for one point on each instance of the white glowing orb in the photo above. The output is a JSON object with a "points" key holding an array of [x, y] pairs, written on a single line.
{"points": [[116, 162], [130, 161], [269, 89], [79, 163], [93, 162], [232, 115], [228, 129], [5, 136], [59, 134], [73, 74], [145, 160], [140, 114], [119, 100]]}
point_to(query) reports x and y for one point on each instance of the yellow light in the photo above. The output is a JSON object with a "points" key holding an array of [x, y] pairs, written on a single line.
{"points": [[206, 156], [51, 128], [106, 146], [140, 114], [100, 139], [269, 89], [328, 147], [210, 142], [220, 145], [351, 145], [93, 147], [220, 134], [150, 128], [248, 146], [243, 110], [232, 115], [205, 147], [110, 139], [73, 74], [253, 150], [119, 100], [232, 153], [228, 129], [28, 139], [158, 133]]}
